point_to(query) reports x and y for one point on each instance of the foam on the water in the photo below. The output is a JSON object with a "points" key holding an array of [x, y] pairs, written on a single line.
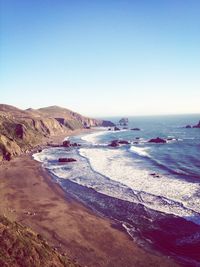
{"points": [[161, 193], [141, 151], [112, 172], [93, 137]]}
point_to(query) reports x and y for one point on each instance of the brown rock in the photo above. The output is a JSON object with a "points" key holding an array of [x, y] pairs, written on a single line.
{"points": [[157, 140], [123, 142], [114, 143], [66, 143], [66, 160]]}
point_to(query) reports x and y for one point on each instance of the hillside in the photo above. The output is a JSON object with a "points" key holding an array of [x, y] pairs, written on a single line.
{"points": [[70, 119], [22, 130], [21, 247]]}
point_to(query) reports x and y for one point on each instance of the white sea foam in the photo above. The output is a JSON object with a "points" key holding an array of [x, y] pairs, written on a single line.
{"points": [[142, 151], [93, 137], [115, 165], [118, 175]]}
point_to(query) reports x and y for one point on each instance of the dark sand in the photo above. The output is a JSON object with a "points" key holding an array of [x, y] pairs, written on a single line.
{"points": [[30, 196]]}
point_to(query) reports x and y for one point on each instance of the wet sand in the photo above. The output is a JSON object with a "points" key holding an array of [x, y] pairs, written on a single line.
{"points": [[30, 196]]}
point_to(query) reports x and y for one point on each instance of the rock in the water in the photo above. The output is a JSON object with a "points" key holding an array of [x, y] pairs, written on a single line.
{"points": [[197, 126], [157, 140], [188, 126], [123, 122], [75, 144], [107, 124], [123, 142], [66, 143], [116, 128], [114, 143], [135, 129], [66, 160]]}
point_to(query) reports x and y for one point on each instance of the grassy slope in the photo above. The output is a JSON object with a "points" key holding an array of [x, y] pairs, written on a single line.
{"points": [[21, 247]]}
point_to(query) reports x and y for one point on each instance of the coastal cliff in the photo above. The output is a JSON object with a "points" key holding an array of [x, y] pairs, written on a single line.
{"points": [[22, 130]]}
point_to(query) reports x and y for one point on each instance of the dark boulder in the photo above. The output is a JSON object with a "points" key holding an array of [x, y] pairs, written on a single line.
{"points": [[66, 143], [188, 126], [123, 122], [75, 144], [116, 128], [53, 145], [123, 142], [114, 143], [155, 175], [197, 126], [66, 160], [135, 129], [157, 140]]}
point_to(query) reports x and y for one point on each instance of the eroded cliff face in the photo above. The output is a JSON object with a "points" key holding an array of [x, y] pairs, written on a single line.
{"points": [[22, 130], [71, 119]]}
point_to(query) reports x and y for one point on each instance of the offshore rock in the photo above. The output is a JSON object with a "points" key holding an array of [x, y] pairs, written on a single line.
{"points": [[157, 140], [66, 160], [197, 126]]}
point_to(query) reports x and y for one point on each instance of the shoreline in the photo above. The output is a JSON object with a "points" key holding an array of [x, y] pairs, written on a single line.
{"points": [[31, 197]]}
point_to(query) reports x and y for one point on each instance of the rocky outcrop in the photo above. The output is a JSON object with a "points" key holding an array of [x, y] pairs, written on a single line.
{"points": [[116, 143], [66, 160], [123, 122], [106, 124], [116, 128], [197, 125], [135, 129], [123, 142], [67, 143], [157, 140], [194, 126], [22, 130], [8, 148]]}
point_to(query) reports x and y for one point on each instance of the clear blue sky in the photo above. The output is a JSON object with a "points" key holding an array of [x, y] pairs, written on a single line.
{"points": [[101, 57]]}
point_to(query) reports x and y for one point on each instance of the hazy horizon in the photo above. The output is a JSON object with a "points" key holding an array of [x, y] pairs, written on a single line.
{"points": [[101, 58]]}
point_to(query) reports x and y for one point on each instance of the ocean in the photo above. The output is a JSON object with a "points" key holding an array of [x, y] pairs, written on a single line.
{"points": [[151, 190]]}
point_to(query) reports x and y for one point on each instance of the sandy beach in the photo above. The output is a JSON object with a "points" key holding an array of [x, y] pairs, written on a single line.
{"points": [[30, 196]]}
